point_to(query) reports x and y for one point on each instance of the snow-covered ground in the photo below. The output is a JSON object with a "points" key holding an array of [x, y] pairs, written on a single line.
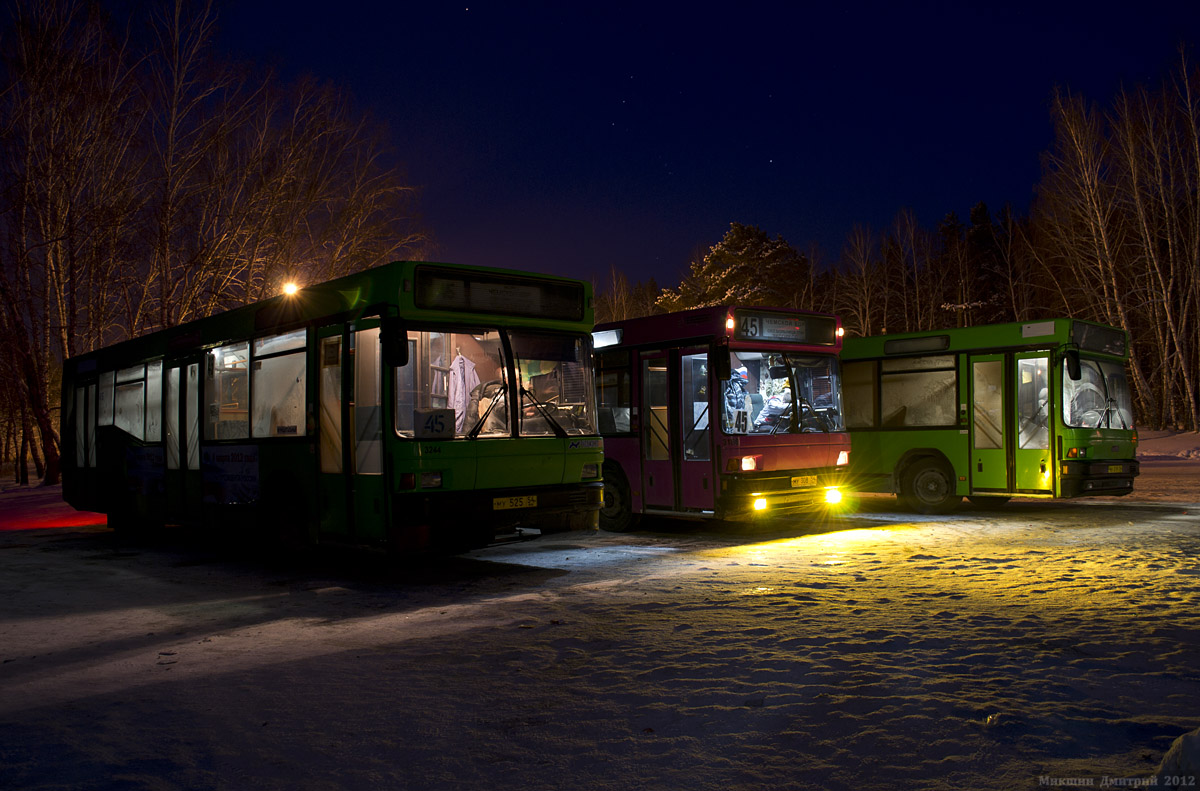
{"points": [[1038, 644]]}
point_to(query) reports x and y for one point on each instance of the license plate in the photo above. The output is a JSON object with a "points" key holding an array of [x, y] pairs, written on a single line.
{"points": [[804, 480], [1116, 468], [519, 501]]}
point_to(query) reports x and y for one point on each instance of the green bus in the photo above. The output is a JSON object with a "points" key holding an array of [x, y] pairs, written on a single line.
{"points": [[411, 406], [1035, 409]]}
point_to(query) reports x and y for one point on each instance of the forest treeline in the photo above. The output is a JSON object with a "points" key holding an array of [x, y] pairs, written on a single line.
{"points": [[1113, 235], [145, 182]]}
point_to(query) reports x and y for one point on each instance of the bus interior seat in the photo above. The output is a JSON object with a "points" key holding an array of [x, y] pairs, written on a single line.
{"points": [[756, 405]]}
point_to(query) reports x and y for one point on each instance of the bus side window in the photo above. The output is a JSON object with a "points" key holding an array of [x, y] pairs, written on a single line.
{"points": [[226, 392], [919, 391], [130, 411], [280, 382], [614, 394], [861, 393]]}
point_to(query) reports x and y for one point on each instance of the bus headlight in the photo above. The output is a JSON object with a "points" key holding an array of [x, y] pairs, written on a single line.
{"points": [[750, 463], [833, 495], [760, 503], [590, 471], [431, 480]]}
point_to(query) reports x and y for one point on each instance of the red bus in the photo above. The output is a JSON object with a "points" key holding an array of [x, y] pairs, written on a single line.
{"points": [[722, 412]]}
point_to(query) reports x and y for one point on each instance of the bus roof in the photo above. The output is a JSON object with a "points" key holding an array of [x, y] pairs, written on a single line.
{"points": [[773, 325], [1086, 336], [416, 290]]}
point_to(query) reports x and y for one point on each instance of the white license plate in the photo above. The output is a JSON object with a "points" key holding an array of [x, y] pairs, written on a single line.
{"points": [[803, 480], [519, 501]]}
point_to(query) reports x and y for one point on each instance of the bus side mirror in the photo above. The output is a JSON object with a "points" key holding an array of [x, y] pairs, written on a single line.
{"points": [[722, 366], [394, 339], [1072, 358]]}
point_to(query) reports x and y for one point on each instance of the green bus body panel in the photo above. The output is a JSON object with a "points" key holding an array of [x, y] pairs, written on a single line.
{"points": [[886, 455], [982, 339], [496, 464]]}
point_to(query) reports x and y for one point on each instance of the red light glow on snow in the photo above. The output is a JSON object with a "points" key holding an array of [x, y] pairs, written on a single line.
{"points": [[11, 522]]}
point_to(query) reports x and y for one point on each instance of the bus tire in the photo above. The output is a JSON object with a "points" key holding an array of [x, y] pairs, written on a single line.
{"points": [[928, 488], [616, 514]]}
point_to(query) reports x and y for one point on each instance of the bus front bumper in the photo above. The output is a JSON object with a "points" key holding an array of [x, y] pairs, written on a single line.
{"points": [[745, 497], [1108, 477], [550, 509]]}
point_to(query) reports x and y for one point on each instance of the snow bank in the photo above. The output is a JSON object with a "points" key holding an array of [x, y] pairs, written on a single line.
{"points": [[1168, 445], [1181, 765]]}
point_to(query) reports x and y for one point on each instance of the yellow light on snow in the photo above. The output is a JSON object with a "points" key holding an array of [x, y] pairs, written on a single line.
{"points": [[290, 288], [833, 495], [760, 504]]}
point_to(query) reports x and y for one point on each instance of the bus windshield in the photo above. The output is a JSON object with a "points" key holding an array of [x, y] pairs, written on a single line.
{"points": [[772, 392], [1099, 398], [469, 372], [554, 378]]}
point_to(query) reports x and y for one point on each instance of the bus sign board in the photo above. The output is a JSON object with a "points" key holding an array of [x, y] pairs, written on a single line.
{"points": [[530, 297], [760, 325]]}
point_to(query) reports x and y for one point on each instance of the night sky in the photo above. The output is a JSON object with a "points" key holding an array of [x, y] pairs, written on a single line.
{"points": [[572, 138]]}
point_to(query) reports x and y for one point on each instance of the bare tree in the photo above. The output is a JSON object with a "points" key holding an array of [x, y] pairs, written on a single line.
{"points": [[861, 293]]}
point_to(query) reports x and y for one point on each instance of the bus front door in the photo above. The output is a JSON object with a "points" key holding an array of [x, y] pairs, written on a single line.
{"points": [[677, 469], [350, 427], [989, 458], [1032, 463], [658, 471]]}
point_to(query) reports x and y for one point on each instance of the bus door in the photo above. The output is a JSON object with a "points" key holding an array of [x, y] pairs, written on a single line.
{"points": [[989, 458], [677, 471], [658, 471], [350, 430], [181, 430], [695, 442], [1032, 463]]}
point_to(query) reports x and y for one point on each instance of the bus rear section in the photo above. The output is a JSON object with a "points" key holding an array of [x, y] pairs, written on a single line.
{"points": [[1037, 409], [720, 413]]}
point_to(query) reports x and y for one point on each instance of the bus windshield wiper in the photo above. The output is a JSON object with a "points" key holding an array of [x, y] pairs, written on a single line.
{"points": [[475, 429], [1111, 406], [559, 431]]}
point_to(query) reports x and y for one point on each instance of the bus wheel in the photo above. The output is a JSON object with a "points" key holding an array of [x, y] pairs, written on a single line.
{"points": [[928, 488], [616, 514]]}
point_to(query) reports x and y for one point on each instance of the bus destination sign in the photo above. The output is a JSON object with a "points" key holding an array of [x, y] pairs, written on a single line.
{"points": [[752, 325]]}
